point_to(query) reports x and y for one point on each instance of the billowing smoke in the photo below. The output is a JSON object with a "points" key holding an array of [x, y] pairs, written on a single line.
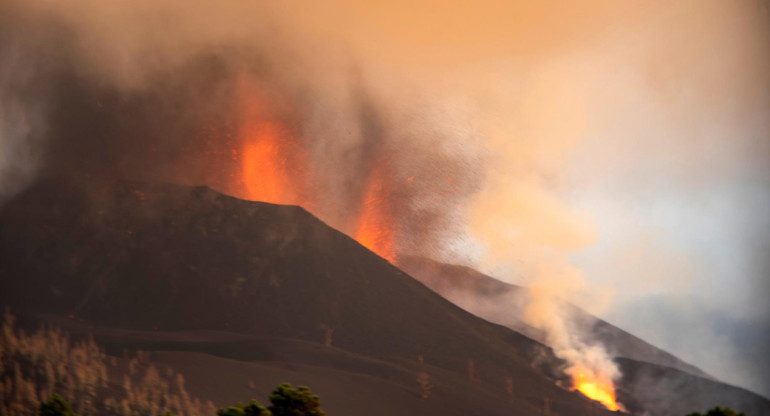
{"points": [[591, 368], [229, 96]]}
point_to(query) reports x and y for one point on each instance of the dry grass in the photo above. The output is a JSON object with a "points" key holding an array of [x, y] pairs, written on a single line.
{"points": [[34, 366]]}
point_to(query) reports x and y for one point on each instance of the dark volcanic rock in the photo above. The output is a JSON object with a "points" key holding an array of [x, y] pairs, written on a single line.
{"points": [[665, 391], [502, 303], [168, 257], [162, 258], [173, 257]]}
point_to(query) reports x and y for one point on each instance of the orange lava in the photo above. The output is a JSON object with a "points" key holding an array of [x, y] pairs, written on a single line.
{"points": [[600, 390], [264, 166], [274, 166], [272, 162], [375, 229]]}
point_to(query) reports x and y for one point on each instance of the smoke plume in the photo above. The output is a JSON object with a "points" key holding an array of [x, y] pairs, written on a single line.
{"points": [[232, 97]]}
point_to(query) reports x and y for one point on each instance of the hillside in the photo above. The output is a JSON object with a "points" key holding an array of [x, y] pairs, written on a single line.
{"points": [[502, 303], [233, 293], [163, 257], [646, 386]]}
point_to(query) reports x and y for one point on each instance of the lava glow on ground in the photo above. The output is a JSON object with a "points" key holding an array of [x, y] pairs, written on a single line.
{"points": [[595, 389]]}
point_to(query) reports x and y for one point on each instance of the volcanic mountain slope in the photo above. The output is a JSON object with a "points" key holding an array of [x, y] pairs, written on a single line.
{"points": [[159, 257], [234, 294], [648, 387], [654, 381], [503, 303]]}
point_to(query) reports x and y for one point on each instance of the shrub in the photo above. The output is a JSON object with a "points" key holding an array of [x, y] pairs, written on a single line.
{"points": [[56, 406]]}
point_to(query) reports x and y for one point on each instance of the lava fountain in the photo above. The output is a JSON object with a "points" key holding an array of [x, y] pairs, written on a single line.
{"points": [[272, 163], [274, 166], [264, 166]]}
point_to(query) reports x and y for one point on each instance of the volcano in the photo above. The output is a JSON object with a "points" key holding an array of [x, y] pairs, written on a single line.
{"points": [[235, 293]]}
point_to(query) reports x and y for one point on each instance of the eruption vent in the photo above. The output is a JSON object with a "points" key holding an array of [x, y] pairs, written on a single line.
{"points": [[274, 165]]}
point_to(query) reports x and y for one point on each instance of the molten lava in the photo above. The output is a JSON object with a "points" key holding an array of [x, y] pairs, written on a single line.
{"points": [[264, 171], [375, 229], [603, 391], [272, 161], [274, 166]]}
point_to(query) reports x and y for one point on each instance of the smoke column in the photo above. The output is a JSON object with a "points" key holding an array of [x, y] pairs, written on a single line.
{"points": [[242, 103]]}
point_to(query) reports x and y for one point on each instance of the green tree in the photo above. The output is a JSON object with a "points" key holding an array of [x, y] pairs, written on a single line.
{"points": [[719, 411], [287, 401], [56, 406], [251, 409]]}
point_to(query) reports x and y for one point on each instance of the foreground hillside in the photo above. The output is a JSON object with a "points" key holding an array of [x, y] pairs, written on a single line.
{"points": [[238, 296], [167, 258]]}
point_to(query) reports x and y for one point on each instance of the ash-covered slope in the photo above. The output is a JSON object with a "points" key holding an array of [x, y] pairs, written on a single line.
{"points": [[502, 303], [647, 389], [125, 256], [165, 257], [653, 382], [175, 257]]}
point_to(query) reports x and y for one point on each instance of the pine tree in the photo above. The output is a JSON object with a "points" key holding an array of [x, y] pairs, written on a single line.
{"points": [[56, 406], [287, 401]]}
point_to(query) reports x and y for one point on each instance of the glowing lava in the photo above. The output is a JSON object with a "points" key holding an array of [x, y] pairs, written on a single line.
{"points": [[603, 391], [272, 161], [274, 166], [375, 229], [264, 172]]}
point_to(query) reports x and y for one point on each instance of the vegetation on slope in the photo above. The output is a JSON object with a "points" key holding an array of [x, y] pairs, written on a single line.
{"points": [[35, 366], [46, 370], [718, 411], [285, 401]]}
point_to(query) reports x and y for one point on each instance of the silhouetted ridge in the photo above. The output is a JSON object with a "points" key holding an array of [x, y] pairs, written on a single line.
{"points": [[270, 288], [168, 257]]}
